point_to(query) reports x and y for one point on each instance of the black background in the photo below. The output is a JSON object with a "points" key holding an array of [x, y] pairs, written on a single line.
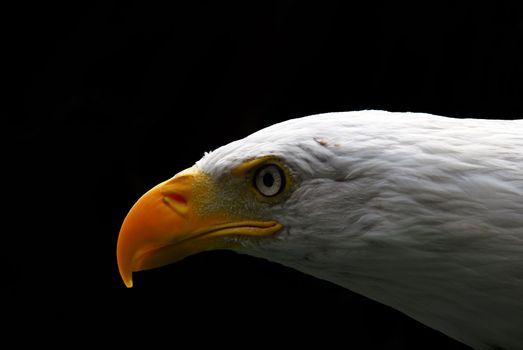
{"points": [[105, 99]]}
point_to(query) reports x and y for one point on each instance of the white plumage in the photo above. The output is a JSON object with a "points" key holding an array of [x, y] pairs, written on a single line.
{"points": [[420, 212]]}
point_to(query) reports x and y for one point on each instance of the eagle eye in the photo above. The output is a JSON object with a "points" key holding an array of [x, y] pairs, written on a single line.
{"points": [[269, 180]]}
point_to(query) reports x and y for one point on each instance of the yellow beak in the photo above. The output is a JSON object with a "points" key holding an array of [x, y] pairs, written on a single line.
{"points": [[167, 224]]}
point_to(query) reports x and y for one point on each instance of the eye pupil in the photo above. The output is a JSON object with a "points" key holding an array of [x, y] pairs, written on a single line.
{"points": [[268, 180]]}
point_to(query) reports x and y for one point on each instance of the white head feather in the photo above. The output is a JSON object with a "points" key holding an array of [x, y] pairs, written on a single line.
{"points": [[420, 212]]}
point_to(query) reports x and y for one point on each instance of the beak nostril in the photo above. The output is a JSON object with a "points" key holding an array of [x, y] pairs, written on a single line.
{"points": [[176, 197]]}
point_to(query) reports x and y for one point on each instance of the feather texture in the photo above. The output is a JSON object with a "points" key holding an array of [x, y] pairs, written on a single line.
{"points": [[420, 212]]}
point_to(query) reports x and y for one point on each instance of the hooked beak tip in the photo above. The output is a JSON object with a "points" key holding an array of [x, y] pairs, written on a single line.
{"points": [[126, 273]]}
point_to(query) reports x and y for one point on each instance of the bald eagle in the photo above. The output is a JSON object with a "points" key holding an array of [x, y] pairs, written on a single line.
{"points": [[419, 212]]}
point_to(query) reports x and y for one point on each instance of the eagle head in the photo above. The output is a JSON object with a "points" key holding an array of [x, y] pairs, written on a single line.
{"points": [[420, 212]]}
